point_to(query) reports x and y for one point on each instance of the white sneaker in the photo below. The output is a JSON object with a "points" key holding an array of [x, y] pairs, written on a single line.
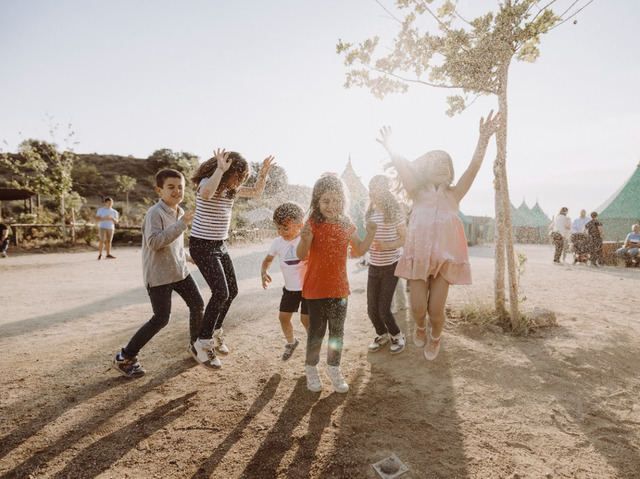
{"points": [[378, 342], [397, 343], [314, 383], [337, 379], [218, 338], [203, 352]]}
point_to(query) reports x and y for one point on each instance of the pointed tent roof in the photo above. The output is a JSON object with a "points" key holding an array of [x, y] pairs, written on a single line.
{"points": [[541, 217], [625, 202], [519, 216], [356, 188]]}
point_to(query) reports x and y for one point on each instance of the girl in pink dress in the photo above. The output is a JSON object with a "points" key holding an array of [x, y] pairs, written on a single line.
{"points": [[435, 252]]}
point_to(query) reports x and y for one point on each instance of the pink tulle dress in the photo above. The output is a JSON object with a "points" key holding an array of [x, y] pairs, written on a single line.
{"points": [[435, 243]]}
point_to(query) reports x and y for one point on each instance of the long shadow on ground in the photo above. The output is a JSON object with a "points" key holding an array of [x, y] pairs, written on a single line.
{"points": [[590, 415], [394, 414], [208, 467], [106, 451], [116, 405]]}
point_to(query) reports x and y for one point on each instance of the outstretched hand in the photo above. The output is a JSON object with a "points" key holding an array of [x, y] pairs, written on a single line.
{"points": [[385, 138], [222, 157], [267, 164], [489, 126]]}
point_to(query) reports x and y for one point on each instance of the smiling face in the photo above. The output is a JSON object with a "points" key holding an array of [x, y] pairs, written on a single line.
{"points": [[172, 191], [290, 229], [331, 205]]}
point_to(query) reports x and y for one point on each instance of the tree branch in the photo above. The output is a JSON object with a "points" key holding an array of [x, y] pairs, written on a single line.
{"points": [[572, 15], [393, 17], [423, 82]]}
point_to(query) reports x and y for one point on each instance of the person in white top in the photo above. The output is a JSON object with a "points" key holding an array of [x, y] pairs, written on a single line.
{"points": [[560, 229], [289, 219], [384, 210], [107, 218], [218, 182]]}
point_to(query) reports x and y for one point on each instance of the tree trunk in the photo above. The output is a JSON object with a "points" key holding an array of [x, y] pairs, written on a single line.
{"points": [[499, 261], [126, 213], [62, 223], [501, 144]]}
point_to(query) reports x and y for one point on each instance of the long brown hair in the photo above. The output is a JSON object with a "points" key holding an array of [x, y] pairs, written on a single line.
{"points": [[239, 169], [328, 183], [380, 189]]}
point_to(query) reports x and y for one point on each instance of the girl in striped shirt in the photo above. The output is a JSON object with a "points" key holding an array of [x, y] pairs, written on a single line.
{"points": [[384, 253], [218, 182]]}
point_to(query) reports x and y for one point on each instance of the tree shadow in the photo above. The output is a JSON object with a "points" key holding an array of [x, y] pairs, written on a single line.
{"points": [[207, 468], [590, 415], [106, 451], [36, 323], [407, 407], [119, 403]]}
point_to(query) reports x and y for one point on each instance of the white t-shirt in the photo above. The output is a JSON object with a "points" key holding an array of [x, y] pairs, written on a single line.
{"points": [[386, 232], [107, 212], [578, 224], [562, 225], [293, 269]]}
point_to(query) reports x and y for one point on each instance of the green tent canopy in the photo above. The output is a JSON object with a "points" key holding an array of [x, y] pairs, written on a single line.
{"points": [[622, 209]]}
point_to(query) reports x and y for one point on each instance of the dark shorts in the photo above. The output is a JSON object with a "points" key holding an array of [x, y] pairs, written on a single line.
{"points": [[291, 300]]}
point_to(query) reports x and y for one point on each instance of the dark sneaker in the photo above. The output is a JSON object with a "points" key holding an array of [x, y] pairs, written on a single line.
{"points": [[99, 257], [129, 367], [289, 348], [378, 343], [110, 256]]}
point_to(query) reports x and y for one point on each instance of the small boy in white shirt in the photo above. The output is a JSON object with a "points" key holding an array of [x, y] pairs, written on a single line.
{"points": [[289, 219]]}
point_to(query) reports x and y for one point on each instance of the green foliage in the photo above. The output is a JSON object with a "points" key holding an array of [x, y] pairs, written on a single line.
{"points": [[468, 55], [277, 179], [125, 183]]}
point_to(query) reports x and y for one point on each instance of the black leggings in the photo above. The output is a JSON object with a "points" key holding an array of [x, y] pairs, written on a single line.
{"points": [[160, 297], [381, 285], [331, 311], [217, 269]]}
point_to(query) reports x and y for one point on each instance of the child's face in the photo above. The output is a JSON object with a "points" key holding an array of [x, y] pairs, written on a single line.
{"points": [[108, 204], [331, 205], [172, 191], [438, 172], [290, 229]]}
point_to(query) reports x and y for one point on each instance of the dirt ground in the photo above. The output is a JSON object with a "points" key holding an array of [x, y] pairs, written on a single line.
{"points": [[559, 404]]}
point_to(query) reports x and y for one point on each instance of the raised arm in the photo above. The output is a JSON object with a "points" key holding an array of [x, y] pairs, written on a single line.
{"points": [[256, 190], [487, 129], [210, 185], [360, 246], [306, 237], [402, 165]]}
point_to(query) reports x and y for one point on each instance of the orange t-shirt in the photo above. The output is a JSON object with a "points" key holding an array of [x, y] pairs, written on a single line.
{"points": [[326, 275]]}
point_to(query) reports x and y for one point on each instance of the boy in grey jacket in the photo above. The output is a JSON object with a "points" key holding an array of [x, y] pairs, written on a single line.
{"points": [[164, 266]]}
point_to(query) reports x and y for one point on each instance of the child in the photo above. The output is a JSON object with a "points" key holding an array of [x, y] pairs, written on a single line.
{"points": [[288, 218], [165, 269], [218, 181], [435, 253], [4, 240], [108, 219], [595, 231], [385, 251], [325, 239]]}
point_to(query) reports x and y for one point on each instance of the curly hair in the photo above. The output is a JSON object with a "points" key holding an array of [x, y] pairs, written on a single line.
{"points": [[239, 169], [380, 190], [288, 211]]}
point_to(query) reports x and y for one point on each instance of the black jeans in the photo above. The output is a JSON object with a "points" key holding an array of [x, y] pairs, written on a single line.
{"points": [[381, 285], [217, 269], [331, 311], [160, 297], [4, 245]]}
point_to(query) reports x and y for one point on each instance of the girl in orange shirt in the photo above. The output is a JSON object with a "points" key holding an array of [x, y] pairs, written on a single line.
{"points": [[325, 239]]}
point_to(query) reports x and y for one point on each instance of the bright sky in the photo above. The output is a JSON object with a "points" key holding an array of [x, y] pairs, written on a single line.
{"points": [[262, 77]]}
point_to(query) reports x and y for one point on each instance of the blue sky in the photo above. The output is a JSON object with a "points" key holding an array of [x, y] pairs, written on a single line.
{"points": [[262, 77]]}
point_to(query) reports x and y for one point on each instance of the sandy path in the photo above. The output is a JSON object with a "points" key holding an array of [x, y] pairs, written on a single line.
{"points": [[562, 404]]}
